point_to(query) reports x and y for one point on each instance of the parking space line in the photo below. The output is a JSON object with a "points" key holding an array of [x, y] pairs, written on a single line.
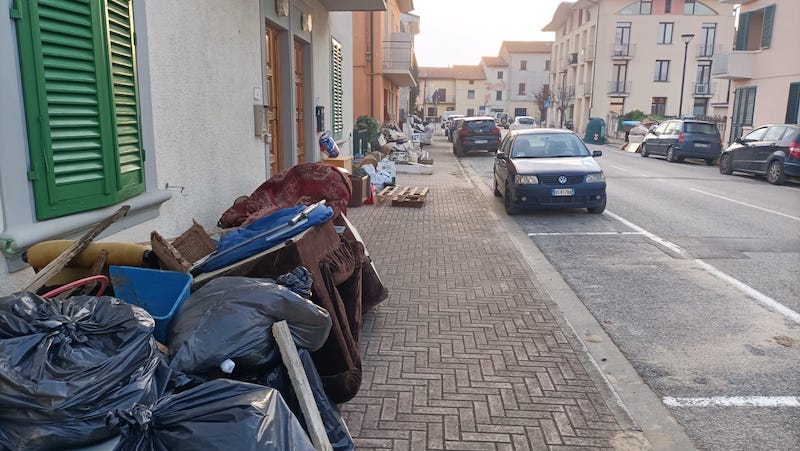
{"points": [[754, 294], [746, 204], [582, 233], [734, 401]]}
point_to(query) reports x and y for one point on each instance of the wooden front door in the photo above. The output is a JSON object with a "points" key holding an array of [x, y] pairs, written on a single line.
{"points": [[273, 72], [299, 101]]}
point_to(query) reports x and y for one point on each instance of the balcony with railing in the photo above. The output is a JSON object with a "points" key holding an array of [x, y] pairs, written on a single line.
{"points": [[397, 57], [572, 59], [706, 51], [619, 88], [587, 53], [584, 90], [703, 89], [622, 51], [733, 65]]}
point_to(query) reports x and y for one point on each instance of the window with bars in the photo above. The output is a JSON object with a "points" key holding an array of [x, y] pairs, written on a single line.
{"points": [[337, 89], [78, 66], [744, 104], [521, 89]]}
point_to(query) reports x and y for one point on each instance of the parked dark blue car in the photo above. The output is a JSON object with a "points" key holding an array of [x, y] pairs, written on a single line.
{"points": [[549, 168], [771, 150], [677, 139]]}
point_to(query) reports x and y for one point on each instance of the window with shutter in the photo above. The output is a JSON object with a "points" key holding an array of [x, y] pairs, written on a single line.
{"points": [[743, 31], [337, 94], [766, 31], [78, 65], [793, 106]]}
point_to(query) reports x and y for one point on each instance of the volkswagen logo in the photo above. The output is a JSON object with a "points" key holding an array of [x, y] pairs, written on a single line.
{"points": [[562, 179]]}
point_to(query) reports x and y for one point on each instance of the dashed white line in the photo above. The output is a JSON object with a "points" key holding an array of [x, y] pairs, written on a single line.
{"points": [[754, 294], [746, 204], [582, 233], [734, 401], [617, 167]]}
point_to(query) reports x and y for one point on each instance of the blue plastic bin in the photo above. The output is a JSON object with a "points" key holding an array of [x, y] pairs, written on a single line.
{"points": [[161, 293]]}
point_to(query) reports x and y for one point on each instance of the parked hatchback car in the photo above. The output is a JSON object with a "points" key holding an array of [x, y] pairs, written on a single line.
{"points": [[549, 168], [476, 133], [522, 122], [677, 139], [770, 150], [449, 125]]}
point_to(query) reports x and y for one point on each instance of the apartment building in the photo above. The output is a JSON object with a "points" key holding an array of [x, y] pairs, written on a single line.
{"points": [[382, 57], [409, 23], [761, 65], [437, 92], [495, 70], [470, 90], [615, 56], [528, 71]]}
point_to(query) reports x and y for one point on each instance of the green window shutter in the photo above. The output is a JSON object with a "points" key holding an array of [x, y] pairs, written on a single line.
{"points": [[793, 104], [337, 114], [70, 107], [741, 34], [130, 177], [766, 33]]}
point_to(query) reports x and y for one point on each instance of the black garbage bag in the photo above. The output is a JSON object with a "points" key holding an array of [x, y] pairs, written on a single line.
{"points": [[64, 364], [222, 414], [230, 318], [335, 427]]}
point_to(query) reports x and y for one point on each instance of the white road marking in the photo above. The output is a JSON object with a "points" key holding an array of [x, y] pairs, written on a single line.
{"points": [[746, 204], [756, 295], [582, 233], [617, 167], [734, 401], [644, 175]]}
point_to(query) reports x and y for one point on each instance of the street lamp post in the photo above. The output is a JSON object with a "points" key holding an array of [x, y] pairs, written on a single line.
{"points": [[687, 37]]}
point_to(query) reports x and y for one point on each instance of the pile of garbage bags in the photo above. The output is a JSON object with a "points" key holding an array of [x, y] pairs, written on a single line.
{"points": [[82, 370]]}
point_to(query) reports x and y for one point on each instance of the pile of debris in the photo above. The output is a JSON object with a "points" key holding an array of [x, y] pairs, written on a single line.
{"points": [[255, 324]]}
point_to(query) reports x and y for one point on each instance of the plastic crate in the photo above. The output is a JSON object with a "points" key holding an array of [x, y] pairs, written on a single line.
{"points": [[159, 292]]}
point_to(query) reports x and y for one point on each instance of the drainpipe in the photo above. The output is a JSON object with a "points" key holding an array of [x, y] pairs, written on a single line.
{"points": [[371, 65]]}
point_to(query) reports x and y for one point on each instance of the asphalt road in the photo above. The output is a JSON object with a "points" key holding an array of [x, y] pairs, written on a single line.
{"points": [[694, 276]]}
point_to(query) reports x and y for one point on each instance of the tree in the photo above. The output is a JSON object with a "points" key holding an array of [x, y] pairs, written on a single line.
{"points": [[540, 98]]}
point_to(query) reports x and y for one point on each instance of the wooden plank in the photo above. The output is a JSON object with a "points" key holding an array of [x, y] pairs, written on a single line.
{"points": [[388, 191], [76, 248], [283, 336], [412, 196]]}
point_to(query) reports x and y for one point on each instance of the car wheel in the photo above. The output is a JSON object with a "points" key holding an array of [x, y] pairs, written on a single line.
{"points": [[598, 209], [725, 165], [775, 173], [497, 192], [508, 203], [670, 155], [709, 162], [645, 153]]}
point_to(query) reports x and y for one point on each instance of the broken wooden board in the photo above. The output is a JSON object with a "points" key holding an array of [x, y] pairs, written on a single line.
{"points": [[76, 248], [410, 196]]}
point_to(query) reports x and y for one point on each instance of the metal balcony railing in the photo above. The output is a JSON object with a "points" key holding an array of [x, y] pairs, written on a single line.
{"points": [[619, 87], [622, 51], [397, 55], [705, 51], [587, 53]]}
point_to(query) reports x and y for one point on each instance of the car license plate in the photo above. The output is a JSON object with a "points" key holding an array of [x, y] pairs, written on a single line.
{"points": [[481, 141], [701, 145], [563, 191]]}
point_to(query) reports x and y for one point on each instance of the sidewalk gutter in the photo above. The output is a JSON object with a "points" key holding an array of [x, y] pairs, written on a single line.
{"points": [[636, 404]]}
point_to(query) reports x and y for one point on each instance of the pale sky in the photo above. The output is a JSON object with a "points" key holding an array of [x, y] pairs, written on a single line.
{"points": [[462, 31]]}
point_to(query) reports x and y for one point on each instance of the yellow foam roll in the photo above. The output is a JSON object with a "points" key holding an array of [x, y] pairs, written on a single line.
{"points": [[128, 254]]}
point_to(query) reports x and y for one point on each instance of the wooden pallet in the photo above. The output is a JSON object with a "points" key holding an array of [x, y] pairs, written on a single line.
{"points": [[405, 196]]}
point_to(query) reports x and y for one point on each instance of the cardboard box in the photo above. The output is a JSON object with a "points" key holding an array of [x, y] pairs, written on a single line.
{"points": [[340, 162]]}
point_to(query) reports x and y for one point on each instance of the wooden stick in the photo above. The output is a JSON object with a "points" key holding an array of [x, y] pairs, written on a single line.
{"points": [[283, 336], [71, 252]]}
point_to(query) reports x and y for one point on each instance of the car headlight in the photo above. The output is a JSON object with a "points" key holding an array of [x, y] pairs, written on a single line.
{"points": [[595, 178], [526, 179]]}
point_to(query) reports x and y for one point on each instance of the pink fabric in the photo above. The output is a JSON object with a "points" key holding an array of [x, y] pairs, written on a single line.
{"points": [[305, 184]]}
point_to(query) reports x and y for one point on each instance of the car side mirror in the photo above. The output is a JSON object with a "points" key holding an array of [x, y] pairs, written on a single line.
{"points": [[500, 155], [655, 133], [597, 153], [739, 140]]}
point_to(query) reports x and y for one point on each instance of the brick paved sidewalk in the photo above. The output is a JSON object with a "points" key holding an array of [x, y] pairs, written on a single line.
{"points": [[466, 353]]}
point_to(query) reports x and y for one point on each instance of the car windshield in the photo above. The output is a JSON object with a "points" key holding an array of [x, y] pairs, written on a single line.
{"points": [[544, 145], [701, 128], [525, 120]]}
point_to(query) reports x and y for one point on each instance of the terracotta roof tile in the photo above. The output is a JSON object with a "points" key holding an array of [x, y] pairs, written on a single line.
{"points": [[526, 47], [494, 61]]}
